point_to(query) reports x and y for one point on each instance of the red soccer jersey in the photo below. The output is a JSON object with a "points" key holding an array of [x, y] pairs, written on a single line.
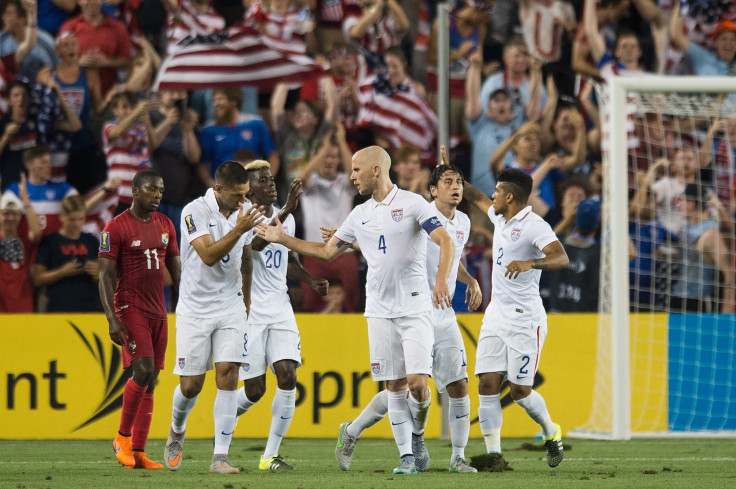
{"points": [[140, 249]]}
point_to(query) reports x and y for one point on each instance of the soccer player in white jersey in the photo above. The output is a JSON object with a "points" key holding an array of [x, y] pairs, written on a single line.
{"points": [[449, 362], [212, 309], [398, 301], [515, 323], [272, 334]]}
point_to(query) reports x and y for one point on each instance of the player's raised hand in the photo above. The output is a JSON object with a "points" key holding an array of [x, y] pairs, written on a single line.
{"points": [[473, 296], [272, 234], [514, 268], [320, 285], [249, 218], [118, 333], [295, 191], [441, 295], [443, 153]]}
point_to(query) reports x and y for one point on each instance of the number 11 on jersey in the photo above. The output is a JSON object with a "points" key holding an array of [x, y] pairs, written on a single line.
{"points": [[382, 244]]}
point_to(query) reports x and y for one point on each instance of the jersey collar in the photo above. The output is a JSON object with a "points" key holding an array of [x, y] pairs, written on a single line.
{"points": [[211, 200], [389, 198], [522, 214]]}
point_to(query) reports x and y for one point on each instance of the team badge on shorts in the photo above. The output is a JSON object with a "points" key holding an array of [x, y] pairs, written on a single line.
{"points": [[189, 221], [460, 236], [376, 368], [105, 241], [131, 347], [182, 361], [397, 214], [165, 238], [515, 234], [245, 366]]}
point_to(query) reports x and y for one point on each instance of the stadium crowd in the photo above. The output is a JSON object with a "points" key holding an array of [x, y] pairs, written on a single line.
{"points": [[80, 116]]}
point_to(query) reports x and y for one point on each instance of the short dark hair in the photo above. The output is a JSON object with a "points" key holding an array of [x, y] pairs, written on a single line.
{"points": [[230, 174], [144, 175], [18, 83], [35, 152], [520, 183], [20, 10], [128, 96], [439, 171], [233, 94], [397, 53]]}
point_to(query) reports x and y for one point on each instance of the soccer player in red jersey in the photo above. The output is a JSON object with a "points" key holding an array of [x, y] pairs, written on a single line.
{"points": [[138, 243]]}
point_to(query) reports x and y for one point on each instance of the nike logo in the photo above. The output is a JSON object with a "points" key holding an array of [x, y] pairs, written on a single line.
{"points": [[227, 434], [363, 222], [174, 461], [463, 416], [287, 418], [213, 225], [219, 138], [396, 424]]}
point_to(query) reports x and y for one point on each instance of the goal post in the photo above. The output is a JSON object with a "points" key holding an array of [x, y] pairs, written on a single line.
{"points": [[635, 350]]}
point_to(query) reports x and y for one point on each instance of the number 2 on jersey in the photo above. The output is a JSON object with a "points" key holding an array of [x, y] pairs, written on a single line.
{"points": [[382, 244], [500, 255], [151, 252]]}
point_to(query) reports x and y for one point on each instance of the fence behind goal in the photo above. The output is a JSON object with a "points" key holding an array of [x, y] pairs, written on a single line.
{"points": [[666, 355]]}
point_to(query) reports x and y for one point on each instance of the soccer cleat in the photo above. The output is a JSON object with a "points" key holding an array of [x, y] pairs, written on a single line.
{"points": [[172, 452], [143, 462], [222, 466], [555, 450], [274, 463], [407, 467], [460, 466], [123, 449], [345, 446], [421, 454]]}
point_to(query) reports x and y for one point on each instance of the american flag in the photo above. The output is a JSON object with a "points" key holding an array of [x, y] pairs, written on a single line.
{"points": [[234, 57]]}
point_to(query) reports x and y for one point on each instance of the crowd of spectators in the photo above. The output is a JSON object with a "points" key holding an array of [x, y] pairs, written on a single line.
{"points": [[78, 118]]}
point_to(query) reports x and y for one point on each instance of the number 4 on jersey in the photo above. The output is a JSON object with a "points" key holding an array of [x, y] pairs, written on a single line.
{"points": [[382, 244]]}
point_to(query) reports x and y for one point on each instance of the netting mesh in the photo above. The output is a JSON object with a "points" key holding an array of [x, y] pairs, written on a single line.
{"points": [[681, 149]]}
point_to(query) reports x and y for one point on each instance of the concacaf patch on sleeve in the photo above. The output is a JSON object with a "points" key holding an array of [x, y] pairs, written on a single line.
{"points": [[165, 238], [189, 221], [105, 241]]}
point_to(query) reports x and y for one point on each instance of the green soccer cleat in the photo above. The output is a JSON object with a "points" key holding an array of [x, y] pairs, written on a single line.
{"points": [[555, 450]]}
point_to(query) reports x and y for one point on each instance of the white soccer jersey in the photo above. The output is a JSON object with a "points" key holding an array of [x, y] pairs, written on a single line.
{"points": [[521, 238], [209, 292], [390, 238], [459, 230], [269, 294]]}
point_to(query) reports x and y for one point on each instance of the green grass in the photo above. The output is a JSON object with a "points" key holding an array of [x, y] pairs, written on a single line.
{"points": [[655, 463]]}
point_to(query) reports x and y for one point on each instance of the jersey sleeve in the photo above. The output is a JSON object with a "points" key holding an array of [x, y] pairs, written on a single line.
{"points": [[193, 222], [426, 215], [543, 235], [346, 232], [110, 240]]}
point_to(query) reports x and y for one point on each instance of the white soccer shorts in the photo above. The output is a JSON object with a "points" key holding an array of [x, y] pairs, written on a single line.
{"points": [[267, 344], [200, 340], [449, 363], [400, 346], [513, 350]]}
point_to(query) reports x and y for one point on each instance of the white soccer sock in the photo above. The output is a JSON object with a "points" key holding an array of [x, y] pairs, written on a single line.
{"points": [[400, 417], [224, 411], [243, 402], [374, 412], [536, 408], [490, 418], [282, 409], [419, 412], [459, 415], [182, 406]]}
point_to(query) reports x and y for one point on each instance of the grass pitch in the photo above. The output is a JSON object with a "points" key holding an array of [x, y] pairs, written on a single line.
{"points": [[647, 463]]}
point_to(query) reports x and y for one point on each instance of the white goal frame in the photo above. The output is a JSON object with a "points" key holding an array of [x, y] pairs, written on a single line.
{"points": [[615, 172]]}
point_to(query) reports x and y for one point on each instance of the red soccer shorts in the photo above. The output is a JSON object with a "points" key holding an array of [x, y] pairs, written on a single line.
{"points": [[147, 338]]}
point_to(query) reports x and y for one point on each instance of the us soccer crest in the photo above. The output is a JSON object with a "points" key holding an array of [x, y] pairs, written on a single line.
{"points": [[375, 368], [245, 367], [397, 214], [515, 234], [165, 238], [460, 236], [105, 241], [182, 361], [189, 221], [246, 134]]}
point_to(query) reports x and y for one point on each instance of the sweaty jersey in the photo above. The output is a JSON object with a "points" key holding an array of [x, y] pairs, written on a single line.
{"points": [[269, 294], [459, 229], [216, 291], [139, 248], [390, 238], [521, 238]]}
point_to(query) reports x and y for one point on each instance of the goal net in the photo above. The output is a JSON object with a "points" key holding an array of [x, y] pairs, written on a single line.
{"points": [[666, 349]]}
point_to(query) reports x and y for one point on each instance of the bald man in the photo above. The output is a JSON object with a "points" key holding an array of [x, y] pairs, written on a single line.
{"points": [[398, 300]]}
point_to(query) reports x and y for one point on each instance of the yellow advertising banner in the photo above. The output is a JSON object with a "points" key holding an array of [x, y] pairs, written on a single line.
{"points": [[62, 378]]}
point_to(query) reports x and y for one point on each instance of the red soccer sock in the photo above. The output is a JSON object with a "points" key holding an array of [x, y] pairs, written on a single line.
{"points": [[132, 397], [142, 423]]}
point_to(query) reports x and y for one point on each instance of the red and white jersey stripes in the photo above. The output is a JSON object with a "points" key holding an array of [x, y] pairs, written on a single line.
{"points": [[186, 20], [126, 155]]}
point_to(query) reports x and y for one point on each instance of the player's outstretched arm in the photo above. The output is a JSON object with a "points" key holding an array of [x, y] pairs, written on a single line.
{"points": [[295, 191], [555, 259], [295, 271], [319, 251], [118, 333], [441, 294], [476, 197]]}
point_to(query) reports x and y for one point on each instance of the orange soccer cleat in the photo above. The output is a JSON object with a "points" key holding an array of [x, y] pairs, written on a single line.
{"points": [[123, 450], [143, 462]]}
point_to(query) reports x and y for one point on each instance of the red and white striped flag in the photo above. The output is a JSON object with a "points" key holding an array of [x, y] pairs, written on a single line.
{"points": [[238, 56]]}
